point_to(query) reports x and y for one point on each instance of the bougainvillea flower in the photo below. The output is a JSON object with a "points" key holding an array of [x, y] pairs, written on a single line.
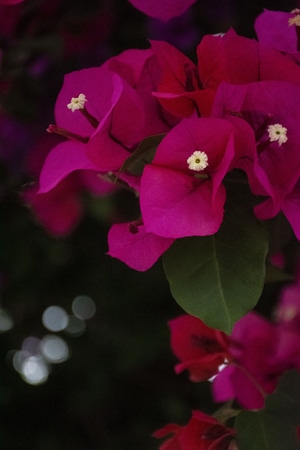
{"points": [[163, 10], [235, 59], [181, 190], [202, 432], [130, 243], [201, 350], [100, 109], [140, 68], [64, 159], [280, 30], [60, 210], [181, 90], [57, 201], [186, 88], [254, 369], [97, 112], [273, 111]]}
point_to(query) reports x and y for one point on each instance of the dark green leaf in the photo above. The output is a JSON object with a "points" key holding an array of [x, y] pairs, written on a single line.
{"points": [[274, 427], [143, 155], [219, 278]]}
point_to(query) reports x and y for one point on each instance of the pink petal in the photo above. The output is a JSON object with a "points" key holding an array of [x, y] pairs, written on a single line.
{"points": [[63, 159], [174, 206], [273, 30], [164, 9], [59, 210], [138, 250], [96, 84]]}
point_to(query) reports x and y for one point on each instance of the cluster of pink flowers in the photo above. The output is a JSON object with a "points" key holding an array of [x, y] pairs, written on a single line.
{"points": [[236, 109], [171, 130], [244, 367]]}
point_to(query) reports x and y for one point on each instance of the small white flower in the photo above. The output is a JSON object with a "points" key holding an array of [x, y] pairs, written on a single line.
{"points": [[277, 133], [77, 102], [197, 161], [296, 19]]}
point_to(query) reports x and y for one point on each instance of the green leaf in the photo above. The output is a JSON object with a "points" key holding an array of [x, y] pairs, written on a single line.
{"points": [[142, 155], [274, 427], [220, 278]]}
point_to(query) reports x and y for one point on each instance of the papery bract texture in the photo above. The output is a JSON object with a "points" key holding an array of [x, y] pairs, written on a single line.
{"points": [[163, 10], [278, 29], [201, 350], [235, 59], [130, 243], [272, 109], [60, 208], [180, 90], [141, 69], [63, 159], [255, 368], [202, 432], [178, 200]]}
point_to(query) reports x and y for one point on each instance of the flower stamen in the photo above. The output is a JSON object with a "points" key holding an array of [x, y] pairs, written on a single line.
{"points": [[77, 102], [198, 161], [296, 19], [277, 133]]}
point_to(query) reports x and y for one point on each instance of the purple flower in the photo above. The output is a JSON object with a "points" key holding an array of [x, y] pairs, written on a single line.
{"points": [[104, 112], [60, 210], [273, 111], [235, 59], [254, 369], [132, 244], [181, 190], [180, 90], [164, 9], [279, 30]]}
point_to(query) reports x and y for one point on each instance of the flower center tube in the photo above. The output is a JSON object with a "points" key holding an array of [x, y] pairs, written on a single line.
{"points": [[78, 104]]}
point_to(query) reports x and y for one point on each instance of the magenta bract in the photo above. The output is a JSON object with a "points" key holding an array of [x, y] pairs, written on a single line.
{"points": [[178, 201], [163, 10], [132, 244]]}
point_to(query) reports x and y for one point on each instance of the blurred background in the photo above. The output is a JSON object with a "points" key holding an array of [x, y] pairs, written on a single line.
{"points": [[84, 342]]}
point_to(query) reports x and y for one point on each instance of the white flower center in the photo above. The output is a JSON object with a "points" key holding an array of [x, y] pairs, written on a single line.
{"points": [[77, 102], [296, 19], [277, 133], [197, 161]]}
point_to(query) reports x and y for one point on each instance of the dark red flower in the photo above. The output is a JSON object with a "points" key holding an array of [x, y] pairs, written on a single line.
{"points": [[202, 432]]}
